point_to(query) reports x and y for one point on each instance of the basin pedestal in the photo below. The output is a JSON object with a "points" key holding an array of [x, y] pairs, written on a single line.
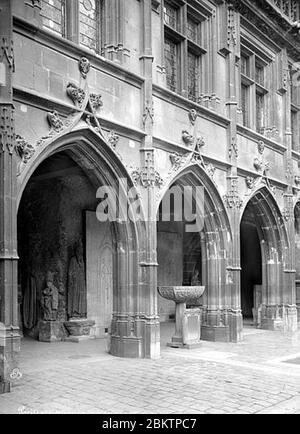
{"points": [[188, 321]]}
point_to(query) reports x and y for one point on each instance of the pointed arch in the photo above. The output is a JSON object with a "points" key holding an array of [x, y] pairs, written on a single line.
{"points": [[270, 221], [276, 293], [194, 175], [216, 246], [102, 166]]}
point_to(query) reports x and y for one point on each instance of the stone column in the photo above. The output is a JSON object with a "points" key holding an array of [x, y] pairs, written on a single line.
{"points": [[9, 327], [150, 182], [288, 290], [232, 199]]}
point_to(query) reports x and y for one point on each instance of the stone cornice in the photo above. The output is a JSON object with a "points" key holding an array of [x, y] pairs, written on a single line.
{"points": [[268, 19]]}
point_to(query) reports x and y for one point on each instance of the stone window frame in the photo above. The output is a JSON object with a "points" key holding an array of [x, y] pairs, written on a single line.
{"points": [[195, 11], [60, 11], [258, 88], [71, 23]]}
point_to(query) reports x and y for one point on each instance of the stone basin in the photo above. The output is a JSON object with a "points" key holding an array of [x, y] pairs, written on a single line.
{"points": [[182, 294]]}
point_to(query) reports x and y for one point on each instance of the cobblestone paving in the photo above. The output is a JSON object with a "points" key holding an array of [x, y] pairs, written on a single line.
{"points": [[250, 377]]}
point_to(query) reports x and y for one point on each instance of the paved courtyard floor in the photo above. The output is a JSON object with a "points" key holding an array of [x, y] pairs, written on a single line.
{"points": [[249, 377]]}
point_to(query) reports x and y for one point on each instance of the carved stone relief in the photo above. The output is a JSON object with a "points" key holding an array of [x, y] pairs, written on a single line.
{"points": [[250, 182], [7, 132], [193, 116], [7, 53], [24, 149], [113, 140], [147, 176], [96, 101], [84, 67], [76, 94], [232, 199], [188, 138], [55, 122], [148, 112]]}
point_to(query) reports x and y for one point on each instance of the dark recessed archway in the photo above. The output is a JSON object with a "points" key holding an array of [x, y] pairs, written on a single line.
{"points": [[133, 311], [266, 283], [251, 265]]}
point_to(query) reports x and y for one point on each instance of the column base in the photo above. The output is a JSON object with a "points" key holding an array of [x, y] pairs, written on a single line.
{"points": [[126, 347], [9, 354], [78, 339], [135, 337], [235, 320], [279, 318], [215, 333], [223, 325], [189, 346]]}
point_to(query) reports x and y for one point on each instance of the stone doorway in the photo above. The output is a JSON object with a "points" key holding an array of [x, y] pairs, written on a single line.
{"points": [[251, 264], [53, 231]]}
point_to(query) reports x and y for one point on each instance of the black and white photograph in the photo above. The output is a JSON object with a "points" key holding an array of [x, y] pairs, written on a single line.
{"points": [[149, 210]]}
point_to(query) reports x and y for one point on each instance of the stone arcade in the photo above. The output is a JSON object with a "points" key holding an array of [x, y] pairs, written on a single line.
{"points": [[162, 94]]}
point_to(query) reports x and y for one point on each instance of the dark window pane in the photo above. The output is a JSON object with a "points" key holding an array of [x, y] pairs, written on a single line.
{"points": [[170, 16], [193, 77], [89, 23], [245, 65], [245, 104], [53, 15], [295, 131], [260, 75], [259, 112], [192, 30], [171, 59]]}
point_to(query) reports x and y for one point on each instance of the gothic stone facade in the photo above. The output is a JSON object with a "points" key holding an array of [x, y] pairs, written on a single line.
{"points": [[160, 93]]}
